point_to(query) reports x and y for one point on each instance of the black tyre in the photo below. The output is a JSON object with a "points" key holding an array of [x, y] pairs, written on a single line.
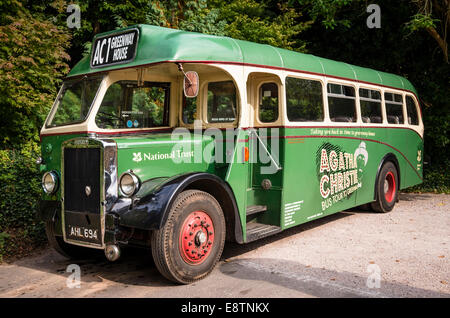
{"points": [[387, 189], [189, 245], [65, 249]]}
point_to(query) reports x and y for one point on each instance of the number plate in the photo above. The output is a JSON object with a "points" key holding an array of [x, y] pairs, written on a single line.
{"points": [[83, 227], [79, 232]]}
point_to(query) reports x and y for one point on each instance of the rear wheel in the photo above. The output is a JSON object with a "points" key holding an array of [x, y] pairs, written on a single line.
{"points": [[387, 188], [189, 245], [65, 249]]}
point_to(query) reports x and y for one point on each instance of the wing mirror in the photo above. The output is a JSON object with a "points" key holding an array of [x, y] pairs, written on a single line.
{"points": [[190, 82]]}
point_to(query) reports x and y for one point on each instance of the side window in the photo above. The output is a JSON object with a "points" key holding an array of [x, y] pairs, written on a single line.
{"points": [[370, 101], [221, 102], [341, 103], [268, 102], [189, 109], [413, 118], [304, 100], [394, 108]]}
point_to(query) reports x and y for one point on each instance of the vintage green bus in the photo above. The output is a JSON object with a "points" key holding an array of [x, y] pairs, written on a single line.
{"points": [[179, 141]]}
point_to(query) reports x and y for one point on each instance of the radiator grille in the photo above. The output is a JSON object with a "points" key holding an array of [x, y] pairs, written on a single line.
{"points": [[81, 170]]}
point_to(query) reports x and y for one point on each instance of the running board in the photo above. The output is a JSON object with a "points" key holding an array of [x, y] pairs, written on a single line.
{"points": [[253, 209], [256, 231]]}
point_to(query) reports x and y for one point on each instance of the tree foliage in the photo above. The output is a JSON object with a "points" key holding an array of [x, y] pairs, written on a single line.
{"points": [[33, 59], [432, 16], [266, 22]]}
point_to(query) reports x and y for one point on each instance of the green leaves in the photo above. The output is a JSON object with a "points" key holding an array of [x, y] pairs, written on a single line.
{"points": [[326, 12], [256, 21], [32, 61], [421, 21], [19, 187], [188, 15]]}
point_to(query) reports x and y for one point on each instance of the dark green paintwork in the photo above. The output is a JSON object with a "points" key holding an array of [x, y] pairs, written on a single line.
{"points": [[153, 144]]}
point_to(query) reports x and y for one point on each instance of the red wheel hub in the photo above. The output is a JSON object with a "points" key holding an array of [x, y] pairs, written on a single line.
{"points": [[389, 187], [196, 237]]}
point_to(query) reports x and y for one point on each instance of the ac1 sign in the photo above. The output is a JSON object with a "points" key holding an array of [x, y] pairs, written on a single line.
{"points": [[114, 49]]}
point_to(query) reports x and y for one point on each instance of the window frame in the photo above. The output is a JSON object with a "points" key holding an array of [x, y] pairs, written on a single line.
{"points": [[167, 106], [402, 94], [383, 113], [111, 79], [322, 82], [204, 105], [57, 103], [358, 120], [418, 111], [258, 101]]}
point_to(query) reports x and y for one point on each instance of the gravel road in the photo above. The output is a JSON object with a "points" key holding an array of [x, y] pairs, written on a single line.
{"points": [[354, 253]]}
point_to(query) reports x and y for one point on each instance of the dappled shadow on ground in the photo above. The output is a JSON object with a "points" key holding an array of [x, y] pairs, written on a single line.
{"points": [[317, 282], [136, 266], [414, 196], [234, 249]]}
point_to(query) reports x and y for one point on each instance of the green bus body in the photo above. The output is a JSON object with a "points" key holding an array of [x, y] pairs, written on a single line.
{"points": [[319, 172]]}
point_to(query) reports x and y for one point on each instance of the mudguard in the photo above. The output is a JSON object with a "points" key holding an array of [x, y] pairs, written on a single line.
{"points": [[149, 211]]}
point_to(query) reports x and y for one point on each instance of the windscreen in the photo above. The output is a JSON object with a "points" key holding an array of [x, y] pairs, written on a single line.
{"points": [[127, 105], [74, 101]]}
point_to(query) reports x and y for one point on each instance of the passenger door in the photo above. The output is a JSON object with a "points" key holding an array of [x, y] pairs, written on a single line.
{"points": [[265, 143]]}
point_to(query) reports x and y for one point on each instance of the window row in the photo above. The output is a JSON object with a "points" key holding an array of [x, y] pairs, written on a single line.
{"points": [[304, 103]]}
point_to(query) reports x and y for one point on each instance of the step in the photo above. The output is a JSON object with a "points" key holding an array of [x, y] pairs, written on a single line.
{"points": [[256, 231], [253, 209]]}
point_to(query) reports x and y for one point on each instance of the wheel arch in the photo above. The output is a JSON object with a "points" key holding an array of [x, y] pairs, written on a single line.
{"points": [[222, 192], [151, 211]]}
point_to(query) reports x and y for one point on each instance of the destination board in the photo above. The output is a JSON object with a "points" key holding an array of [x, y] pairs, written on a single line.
{"points": [[114, 49]]}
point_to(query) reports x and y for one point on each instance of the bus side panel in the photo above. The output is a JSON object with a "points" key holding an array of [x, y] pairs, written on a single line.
{"points": [[405, 144], [301, 200], [347, 156], [310, 189], [410, 154], [321, 174]]}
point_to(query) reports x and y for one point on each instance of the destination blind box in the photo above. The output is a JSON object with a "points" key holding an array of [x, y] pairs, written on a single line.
{"points": [[117, 48]]}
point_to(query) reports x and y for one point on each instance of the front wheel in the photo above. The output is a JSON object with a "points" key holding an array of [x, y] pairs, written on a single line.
{"points": [[387, 188], [189, 245]]}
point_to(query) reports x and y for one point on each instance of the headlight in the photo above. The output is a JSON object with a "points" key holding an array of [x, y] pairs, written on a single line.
{"points": [[50, 182], [129, 184]]}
